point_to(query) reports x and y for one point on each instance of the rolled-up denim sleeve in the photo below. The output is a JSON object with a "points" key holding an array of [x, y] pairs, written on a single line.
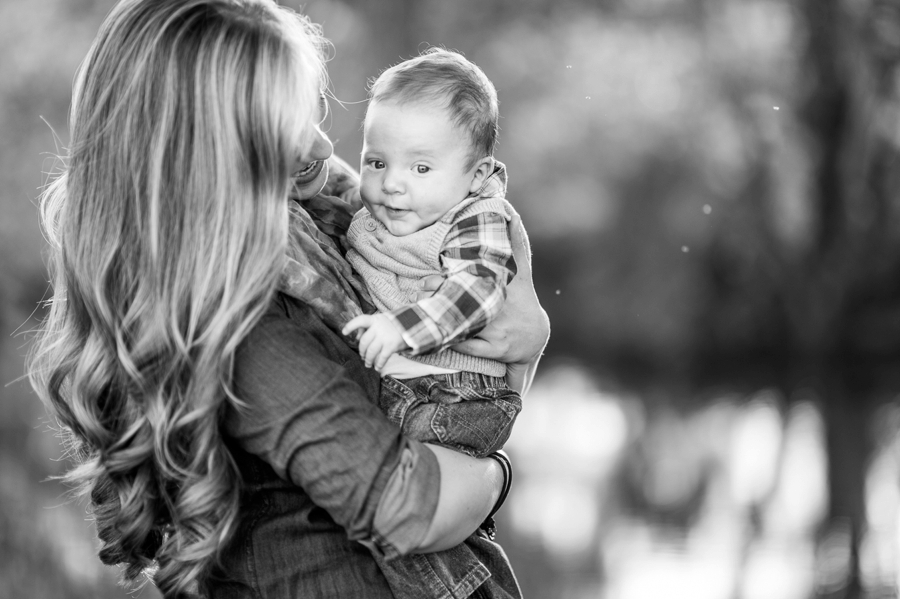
{"points": [[399, 523], [306, 416]]}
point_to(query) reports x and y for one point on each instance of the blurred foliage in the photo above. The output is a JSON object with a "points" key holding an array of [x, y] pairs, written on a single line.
{"points": [[710, 187]]}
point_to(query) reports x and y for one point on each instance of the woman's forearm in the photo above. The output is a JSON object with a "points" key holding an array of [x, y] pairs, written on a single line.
{"points": [[469, 489]]}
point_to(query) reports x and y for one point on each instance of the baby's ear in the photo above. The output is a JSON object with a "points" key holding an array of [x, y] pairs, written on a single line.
{"points": [[481, 171]]}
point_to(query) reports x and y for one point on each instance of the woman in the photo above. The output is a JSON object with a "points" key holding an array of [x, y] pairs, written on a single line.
{"points": [[226, 436]]}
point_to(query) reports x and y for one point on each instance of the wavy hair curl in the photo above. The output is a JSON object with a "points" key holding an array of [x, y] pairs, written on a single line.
{"points": [[167, 226]]}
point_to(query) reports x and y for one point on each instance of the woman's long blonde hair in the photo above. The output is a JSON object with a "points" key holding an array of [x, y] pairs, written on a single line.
{"points": [[167, 228]]}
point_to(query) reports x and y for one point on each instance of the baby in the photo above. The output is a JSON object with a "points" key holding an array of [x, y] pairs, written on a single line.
{"points": [[434, 205]]}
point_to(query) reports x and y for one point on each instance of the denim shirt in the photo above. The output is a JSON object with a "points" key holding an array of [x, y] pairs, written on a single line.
{"points": [[326, 477]]}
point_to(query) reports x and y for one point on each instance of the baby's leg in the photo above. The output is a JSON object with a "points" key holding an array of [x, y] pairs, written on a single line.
{"points": [[473, 414], [465, 411]]}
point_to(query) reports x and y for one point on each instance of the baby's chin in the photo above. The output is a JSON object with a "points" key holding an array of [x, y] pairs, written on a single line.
{"points": [[400, 228], [306, 189]]}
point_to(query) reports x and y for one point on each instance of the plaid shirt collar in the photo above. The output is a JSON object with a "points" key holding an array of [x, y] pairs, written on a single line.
{"points": [[494, 185]]}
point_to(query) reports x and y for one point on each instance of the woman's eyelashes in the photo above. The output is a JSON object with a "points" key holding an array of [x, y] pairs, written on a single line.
{"points": [[323, 108]]}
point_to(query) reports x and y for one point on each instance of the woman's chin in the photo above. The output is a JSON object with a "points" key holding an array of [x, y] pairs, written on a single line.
{"points": [[308, 187]]}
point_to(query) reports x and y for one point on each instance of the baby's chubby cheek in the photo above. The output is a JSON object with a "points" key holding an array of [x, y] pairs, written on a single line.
{"points": [[368, 185], [370, 198]]}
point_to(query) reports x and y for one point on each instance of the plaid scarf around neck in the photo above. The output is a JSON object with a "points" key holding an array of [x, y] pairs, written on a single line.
{"points": [[315, 271]]}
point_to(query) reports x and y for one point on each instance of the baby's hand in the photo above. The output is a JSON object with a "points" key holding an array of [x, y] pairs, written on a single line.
{"points": [[381, 338]]}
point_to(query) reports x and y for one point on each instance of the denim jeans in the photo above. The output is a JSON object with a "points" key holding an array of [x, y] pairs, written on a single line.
{"points": [[466, 411], [472, 413], [475, 569]]}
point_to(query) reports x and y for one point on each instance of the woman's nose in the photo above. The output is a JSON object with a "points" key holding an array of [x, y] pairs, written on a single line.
{"points": [[322, 148]]}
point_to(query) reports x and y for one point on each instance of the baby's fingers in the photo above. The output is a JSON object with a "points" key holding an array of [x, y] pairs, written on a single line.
{"points": [[381, 359], [372, 348], [363, 321], [364, 342]]}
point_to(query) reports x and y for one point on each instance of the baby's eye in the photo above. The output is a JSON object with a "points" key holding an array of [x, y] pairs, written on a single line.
{"points": [[376, 164], [422, 169]]}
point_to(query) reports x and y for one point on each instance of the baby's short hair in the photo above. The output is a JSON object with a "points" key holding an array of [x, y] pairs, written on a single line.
{"points": [[447, 78]]}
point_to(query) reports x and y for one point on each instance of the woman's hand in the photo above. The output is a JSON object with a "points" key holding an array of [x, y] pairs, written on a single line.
{"points": [[504, 338]]}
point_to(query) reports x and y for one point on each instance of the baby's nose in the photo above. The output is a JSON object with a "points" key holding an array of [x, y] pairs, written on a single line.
{"points": [[391, 182]]}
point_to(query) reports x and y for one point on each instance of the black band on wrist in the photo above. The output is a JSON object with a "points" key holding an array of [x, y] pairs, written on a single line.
{"points": [[502, 459]]}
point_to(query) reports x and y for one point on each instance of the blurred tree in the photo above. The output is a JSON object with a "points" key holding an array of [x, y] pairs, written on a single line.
{"points": [[791, 282], [823, 300]]}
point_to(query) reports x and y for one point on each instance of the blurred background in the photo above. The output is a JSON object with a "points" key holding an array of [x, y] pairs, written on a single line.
{"points": [[712, 189]]}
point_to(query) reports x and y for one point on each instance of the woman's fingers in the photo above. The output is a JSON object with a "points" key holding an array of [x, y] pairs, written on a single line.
{"points": [[428, 285], [494, 350]]}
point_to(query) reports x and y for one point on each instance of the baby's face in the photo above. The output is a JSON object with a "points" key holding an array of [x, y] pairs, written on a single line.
{"points": [[413, 165]]}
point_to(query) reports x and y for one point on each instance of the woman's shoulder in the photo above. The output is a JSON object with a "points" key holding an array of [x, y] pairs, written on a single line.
{"points": [[289, 324], [291, 341], [285, 321]]}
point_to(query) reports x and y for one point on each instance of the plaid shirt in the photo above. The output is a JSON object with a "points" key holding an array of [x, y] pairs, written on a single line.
{"points": [[478, 263]]}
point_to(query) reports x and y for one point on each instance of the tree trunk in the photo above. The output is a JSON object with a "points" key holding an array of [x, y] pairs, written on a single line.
{"points": [[846, 415], [844, 271]]}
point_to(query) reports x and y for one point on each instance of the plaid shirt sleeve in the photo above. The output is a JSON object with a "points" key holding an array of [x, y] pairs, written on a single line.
{"points": [[478, 263]]}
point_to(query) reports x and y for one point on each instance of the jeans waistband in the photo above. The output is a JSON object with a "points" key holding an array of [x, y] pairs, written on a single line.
{"points": [[465, 378]]}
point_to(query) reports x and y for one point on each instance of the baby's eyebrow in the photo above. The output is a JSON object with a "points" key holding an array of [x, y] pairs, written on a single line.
{"points": [[426, 152]]}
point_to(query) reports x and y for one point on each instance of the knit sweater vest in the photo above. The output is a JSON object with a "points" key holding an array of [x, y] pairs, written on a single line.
{"points": [[393, 266]]}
